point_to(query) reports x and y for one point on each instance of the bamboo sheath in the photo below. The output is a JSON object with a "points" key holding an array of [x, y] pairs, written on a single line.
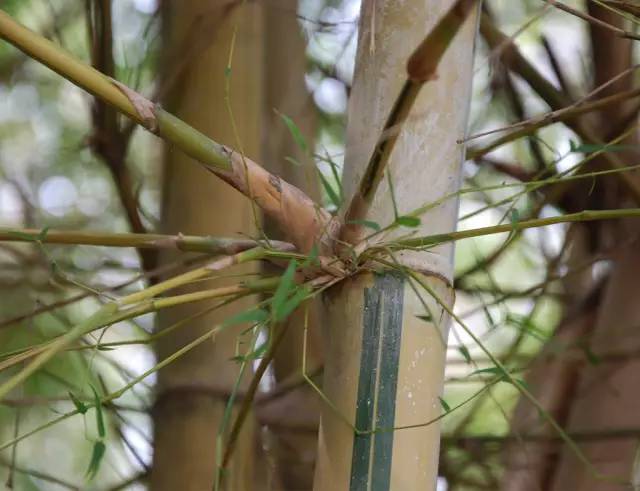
{"points": [[384, 367]]}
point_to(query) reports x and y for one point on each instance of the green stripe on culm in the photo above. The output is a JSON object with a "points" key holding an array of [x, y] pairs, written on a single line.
{"points": [[382, 328], [366, 390], [392, 287]]}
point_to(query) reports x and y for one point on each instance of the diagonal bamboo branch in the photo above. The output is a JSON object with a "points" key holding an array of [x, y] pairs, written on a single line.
{"points": [[516, 62], [306, 222], [421, 68], [582, 216]]}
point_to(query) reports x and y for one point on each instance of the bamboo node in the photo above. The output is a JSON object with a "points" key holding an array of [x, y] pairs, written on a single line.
{"points": [[145, 109]]}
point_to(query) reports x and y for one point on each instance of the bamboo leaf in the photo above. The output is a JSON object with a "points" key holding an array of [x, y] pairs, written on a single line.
{"points": [[99, 449], [592, 358], [333, 196], [497, 371], [99, 413], [254, 316], [81, 407], [312, 258], [595, 147], [408, 221], [292, 303], [39, 237], [295, 132], [464, 351], [293, 161], [445, 405], [284, 289]]}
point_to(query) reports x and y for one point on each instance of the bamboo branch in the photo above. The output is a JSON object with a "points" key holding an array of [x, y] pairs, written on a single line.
{"points": [[305, 221], [593, 20], [583, 216], [517, 63], [631, 7], [524, 128], [187, 243], [421, 68], [112, 311]]}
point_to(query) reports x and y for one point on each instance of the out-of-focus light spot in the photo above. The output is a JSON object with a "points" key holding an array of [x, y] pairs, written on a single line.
{"points": [[146, 6], [95, 196], [331, 96], [57, 195], [86, 258], [441, 484], [11, 209]]}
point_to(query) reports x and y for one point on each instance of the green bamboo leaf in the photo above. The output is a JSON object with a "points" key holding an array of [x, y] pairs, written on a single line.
{"points": [[99, 414], [23, 236], [522, 383], [333, 196], [599, 147], [497, 371], [293, 161], [592, 358], [257, 353], [444, 405], [81, 407], [464, 351], [408, 221], [295, 132], [287, 284], [253, 316], [99, 449], [515, 216], [43, 234], [312, 258], [292, 303]]}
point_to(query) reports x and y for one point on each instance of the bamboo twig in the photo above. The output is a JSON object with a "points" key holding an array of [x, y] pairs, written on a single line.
{"points": [[593, 20], [583, 216], [187, 243], [516, 62], [110, 312]]}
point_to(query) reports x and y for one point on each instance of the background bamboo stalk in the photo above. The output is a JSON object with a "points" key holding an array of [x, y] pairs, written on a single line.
{"points": [[192, 392], [294, 448]]}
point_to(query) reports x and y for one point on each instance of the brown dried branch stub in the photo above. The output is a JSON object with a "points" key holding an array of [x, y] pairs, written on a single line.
{"points": [[423, 63], [303, 221], [143, 106]]}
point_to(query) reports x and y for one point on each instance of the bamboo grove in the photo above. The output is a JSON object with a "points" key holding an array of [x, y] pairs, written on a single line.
{"points": [[305, 319]]}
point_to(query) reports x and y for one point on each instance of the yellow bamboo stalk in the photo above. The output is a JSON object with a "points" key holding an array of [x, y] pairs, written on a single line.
{"points": [[384, 365]]}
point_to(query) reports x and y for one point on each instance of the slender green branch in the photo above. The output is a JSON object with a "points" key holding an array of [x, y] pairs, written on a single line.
{"points": [[112, 311], [583, 216], [190, 243], [247, 402]]}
